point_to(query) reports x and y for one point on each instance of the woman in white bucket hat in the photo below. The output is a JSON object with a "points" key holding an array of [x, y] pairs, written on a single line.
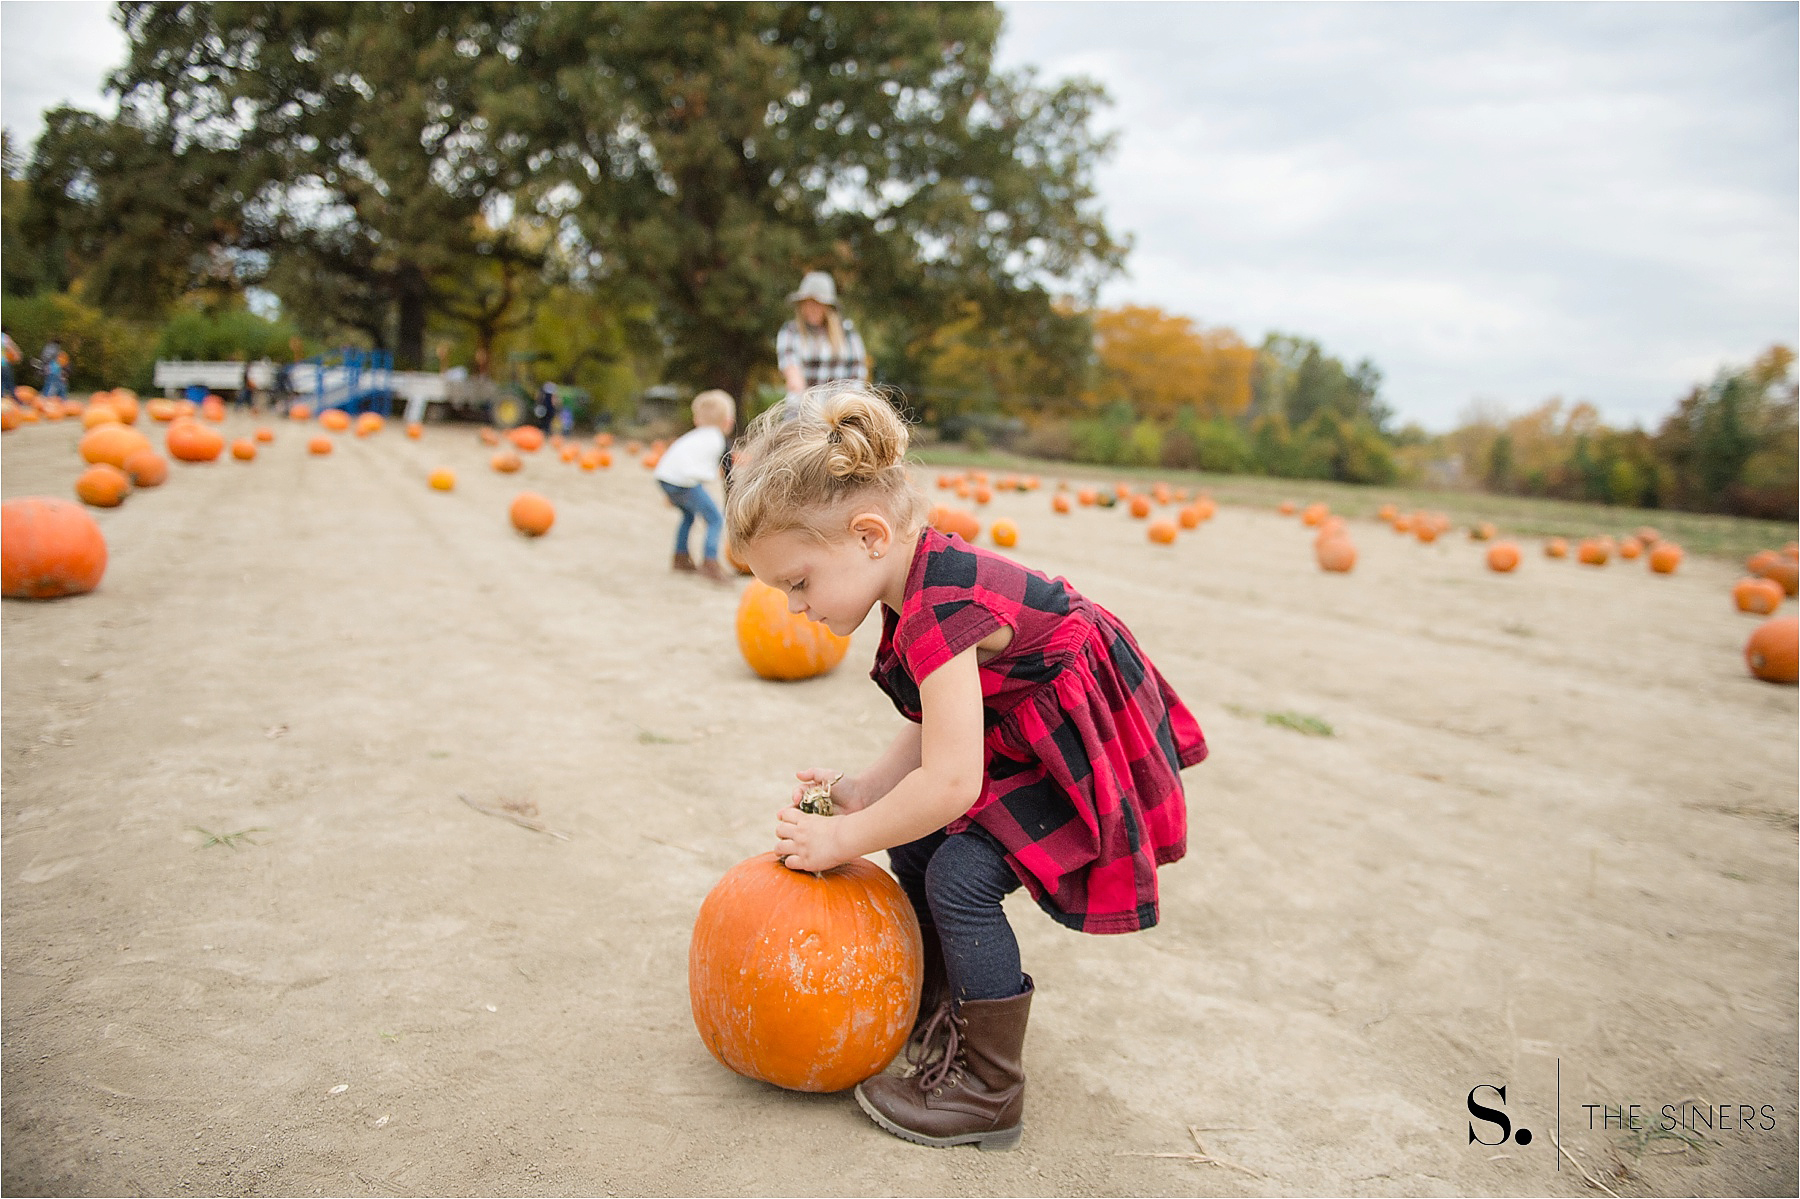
{"points": [[818, 346]]}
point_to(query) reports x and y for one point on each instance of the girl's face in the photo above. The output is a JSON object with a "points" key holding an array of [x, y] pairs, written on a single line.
{"points": [[836, 582], [812, 312]]}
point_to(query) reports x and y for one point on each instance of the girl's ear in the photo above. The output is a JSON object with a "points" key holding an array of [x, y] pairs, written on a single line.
{"points": [[874, 532]]}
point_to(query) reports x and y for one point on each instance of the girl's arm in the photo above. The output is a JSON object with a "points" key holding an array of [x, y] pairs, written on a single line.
{"points": [[855, 792], [945, 783]]}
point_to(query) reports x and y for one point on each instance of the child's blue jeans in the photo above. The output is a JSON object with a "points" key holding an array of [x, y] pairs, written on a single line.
{"points": [[694, 501], [956, 884]]}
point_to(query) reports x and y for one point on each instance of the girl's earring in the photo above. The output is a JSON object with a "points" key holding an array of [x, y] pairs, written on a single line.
{"points": [[874, 553]]}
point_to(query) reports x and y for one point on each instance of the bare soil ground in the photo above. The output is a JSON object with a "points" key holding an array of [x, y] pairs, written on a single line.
{"points": [[254, 943]]}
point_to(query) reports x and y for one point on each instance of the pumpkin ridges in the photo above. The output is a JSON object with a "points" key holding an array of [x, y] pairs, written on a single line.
{"points": [[782, 645], [809, 982]]}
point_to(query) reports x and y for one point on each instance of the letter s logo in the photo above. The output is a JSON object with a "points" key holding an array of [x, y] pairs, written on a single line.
{"points": [[1490, 1115]]}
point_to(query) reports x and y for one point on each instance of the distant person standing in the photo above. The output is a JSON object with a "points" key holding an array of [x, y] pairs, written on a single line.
{"points": [[13, 356], [53, 364], [819, 345]]}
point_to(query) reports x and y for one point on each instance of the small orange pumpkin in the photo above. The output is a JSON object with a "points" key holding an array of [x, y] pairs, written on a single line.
{"points": [[335, 419], [244, 449], [955, 520], [1761, 596], [807, 981], [1772, 653], [191, 441], [319, 445], [99, 414], [532, 514], [1059, 501], [1161, 532], [1087, 497], [1336, 554], [1313, 514], [414, 430], [103, 485], [505, 461], [111, 443], [1140, 506], [146, 467], [369, 422], [1556, 547], [1786, 573], [1502, 556], [1593, 552], [1481, 531], [300, 412], [124, 401], [1760, 562], [784, 645], [1630, 548], [443, 479], [1004, 532], [265, 434], [1665, 557], [48, 548], [1188, 517], [529, 438]]}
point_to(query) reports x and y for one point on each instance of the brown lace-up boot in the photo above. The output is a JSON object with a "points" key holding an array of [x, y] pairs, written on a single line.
{"points": [[975, 1093], [683, 562]]}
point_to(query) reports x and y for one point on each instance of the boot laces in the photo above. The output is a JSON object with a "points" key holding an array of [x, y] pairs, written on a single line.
{"points": [[946, 1024]]}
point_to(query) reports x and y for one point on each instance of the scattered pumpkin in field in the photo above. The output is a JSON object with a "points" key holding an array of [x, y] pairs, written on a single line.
{"points": [[1106, 499], [103, 485], [1188, 517], [99, 414], [603, 440], [730, 554], [1665, 557], [190, 441], [943, 482], [10, 417], [1312, 514], [650, 460], [1759, 563], [146, 467], [300, 412], [1331, 526], [1387, 513], [1761, 596], [1140, 506], [806, 981], [1161, 532], [604, 461], [784, 645], [1556, 547], [1336, 554], [1593, 552], [532, 514], [958, 521], [319, 445], [1502, 556], [1030, 483], [370, 422], [244, 449], [1630, 548], [1087, 497], [505, 461], [212, 408], [633, 448], [1772, 653], [1786, 573], [111, 443], [489, 436], [264, 434], [1647, 535], [589, 459], [983, 495], [567, 453], [1402, 523], [963, 489], [335, 419], [1004, 532], [529, 438], [442, 479], [1482, 531], [48, 548], [414, 430], [1162, 495], [1204, 507], [1059, 501]]}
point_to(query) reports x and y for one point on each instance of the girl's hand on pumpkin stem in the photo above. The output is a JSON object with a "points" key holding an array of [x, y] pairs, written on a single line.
{"points": [[807, 842], [846, 792]]}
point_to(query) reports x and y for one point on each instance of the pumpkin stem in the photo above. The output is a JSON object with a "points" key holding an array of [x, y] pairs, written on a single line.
{"points": [[817, 798]]}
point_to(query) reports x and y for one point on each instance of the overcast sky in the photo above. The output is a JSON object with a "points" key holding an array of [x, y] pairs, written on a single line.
{"points": [[1506, 201]]}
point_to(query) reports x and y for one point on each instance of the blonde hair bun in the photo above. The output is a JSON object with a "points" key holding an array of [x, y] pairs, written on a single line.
{"points": [[842, 444]]}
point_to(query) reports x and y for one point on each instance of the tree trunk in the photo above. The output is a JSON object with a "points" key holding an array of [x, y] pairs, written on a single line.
{"points": [[409, 348]]}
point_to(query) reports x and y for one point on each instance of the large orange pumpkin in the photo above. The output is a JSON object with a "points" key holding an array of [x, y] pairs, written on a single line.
{"points": [[103, 485], [191, 441], [99, 414], [810, 982], [532, 514], [1761, 596], [111, 443], [1502, 556], [784, 645], [48, 548], [1772, 653]]}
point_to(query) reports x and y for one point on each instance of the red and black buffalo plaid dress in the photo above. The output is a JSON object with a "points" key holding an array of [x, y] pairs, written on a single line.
{"points": [[1085, 740]]}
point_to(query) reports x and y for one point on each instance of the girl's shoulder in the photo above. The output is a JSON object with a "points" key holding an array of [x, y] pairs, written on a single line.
{"points": [[948, 572]]}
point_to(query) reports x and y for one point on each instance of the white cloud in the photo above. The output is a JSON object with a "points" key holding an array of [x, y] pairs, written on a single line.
{"points": [[53, 54], [1508, 200]]}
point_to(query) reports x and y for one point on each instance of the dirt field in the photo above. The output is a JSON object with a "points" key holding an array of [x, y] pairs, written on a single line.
{"points": [[1550, 845]]}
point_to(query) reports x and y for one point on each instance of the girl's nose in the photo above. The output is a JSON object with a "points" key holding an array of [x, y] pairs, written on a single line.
{"points": [[794, 604]]}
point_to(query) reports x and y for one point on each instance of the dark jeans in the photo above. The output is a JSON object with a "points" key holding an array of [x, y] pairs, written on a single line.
{"points": [[694, 501], [956, 885]]}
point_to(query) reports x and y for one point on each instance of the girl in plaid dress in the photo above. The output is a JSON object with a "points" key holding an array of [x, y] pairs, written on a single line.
{"points": [[1042, 748]]}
